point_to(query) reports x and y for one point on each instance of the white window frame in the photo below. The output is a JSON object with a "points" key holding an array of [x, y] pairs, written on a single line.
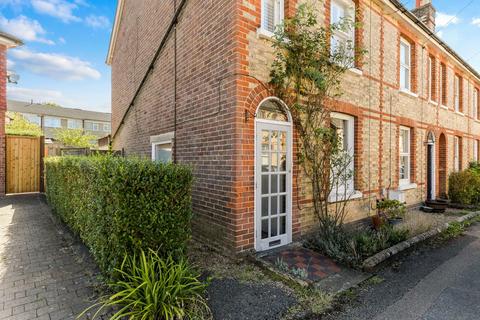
{"points": [[95, 126], [278, 16], [74, 121], [457, 93], [407, 86], [456, 153], [162, 139], [475, 150], [347, 190], [407, 180], [106, 127], [442, 75], [32, 118], [341, 36], [46, 119]]}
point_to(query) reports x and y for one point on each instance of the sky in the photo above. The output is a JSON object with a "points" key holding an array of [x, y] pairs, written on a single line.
{"points": [[64, 52], [66, 43]]}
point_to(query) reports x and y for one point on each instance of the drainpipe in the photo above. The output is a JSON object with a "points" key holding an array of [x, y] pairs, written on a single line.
{"points": [[174, 155]]}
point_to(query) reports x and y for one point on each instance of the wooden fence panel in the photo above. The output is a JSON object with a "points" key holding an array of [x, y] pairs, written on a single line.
{"points": [[24, 161]]}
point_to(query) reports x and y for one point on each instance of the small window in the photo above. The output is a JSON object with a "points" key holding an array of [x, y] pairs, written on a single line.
{"points": [[52, 122], [74, 124], [96, 126], [457, 147], [272, 14], [106, 127], [162, 152], [405, 155], [342, 40], [475, 150], [405, 65]]}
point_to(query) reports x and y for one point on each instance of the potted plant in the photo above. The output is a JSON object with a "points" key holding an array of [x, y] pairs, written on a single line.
{"points": [[393, 210]]}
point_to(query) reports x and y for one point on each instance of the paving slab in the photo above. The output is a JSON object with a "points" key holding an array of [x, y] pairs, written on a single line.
{"points": [[44, 272]]}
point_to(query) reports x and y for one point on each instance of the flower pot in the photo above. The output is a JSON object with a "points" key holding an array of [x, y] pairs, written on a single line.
{"points": [[437, 205], [395, 221], [377, 222]]}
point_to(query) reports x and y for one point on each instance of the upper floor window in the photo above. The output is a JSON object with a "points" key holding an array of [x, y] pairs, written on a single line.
{"points": [[33, 118], [106, 127], [52, 122], [405, 65], [272, 14], [457, 161], [432, 79], [475, 104], [443, 84], [74, 124], [342, 16], [458, 94], [405, 155]]}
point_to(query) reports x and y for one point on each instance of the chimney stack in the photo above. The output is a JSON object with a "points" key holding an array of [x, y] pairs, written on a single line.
{"points": [[425, 11]]}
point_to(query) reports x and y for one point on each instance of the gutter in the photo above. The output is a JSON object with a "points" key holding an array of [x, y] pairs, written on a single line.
{"points": [[432, 35]]}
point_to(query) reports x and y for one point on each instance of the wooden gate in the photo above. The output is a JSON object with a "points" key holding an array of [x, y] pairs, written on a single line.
{"points": [[24, 159]]}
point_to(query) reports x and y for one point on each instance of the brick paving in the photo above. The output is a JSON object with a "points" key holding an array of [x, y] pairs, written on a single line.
{"points": [[44, 272]]}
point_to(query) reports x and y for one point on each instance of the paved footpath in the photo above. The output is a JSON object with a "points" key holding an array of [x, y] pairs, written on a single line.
{"points": [[44, 272], [427, 284]]}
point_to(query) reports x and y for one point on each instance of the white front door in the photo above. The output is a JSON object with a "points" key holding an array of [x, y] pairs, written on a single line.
{"points": [[273, 184]]}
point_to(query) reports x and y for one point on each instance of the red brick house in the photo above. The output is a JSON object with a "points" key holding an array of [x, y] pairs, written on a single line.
{"points": [[6, 41], [188, 85]]}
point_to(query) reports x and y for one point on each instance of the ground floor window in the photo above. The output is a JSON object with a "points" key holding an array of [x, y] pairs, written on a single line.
{"points": [[405, 155], [344, 126], [457, 159], [475, 150], [162, 147]]}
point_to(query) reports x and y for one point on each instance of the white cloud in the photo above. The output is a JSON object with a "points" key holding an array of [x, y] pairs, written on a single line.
{"points": [[444, 19], [440, 34], [62, 40], [60, 9], [57, 66], [476, 22], [10, 64], [97, 21], [25, 29], [37, 95]]}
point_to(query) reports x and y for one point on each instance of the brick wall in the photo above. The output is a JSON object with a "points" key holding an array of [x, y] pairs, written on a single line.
{"points": [[3, 108], [221, 62]]}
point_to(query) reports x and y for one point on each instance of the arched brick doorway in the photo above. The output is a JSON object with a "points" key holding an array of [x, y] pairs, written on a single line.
{"points": [[442, 165]]}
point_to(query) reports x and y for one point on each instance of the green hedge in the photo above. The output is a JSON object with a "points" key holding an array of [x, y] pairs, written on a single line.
{"points": [[119, 205], [464, 187]]}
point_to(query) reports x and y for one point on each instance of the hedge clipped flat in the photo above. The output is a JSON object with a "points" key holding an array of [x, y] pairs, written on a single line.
{"points": [[121, 205]]}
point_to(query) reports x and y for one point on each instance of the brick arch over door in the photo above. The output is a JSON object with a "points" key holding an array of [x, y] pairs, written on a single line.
{"points": [[442, 165]]}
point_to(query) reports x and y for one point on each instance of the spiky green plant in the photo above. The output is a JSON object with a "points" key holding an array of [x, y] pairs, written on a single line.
{"points": [[152, 288]]}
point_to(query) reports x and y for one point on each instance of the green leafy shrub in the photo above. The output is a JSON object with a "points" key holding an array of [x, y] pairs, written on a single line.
{"points": [[353, 248], [464, 187], [151, 287], [121, 205], [392, 208]]}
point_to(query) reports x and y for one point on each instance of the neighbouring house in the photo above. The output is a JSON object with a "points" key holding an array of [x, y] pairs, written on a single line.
{"points": [[6, 42], [53, 117], [188, 85]]}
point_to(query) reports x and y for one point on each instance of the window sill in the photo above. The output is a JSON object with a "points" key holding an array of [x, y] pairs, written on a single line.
{"points": [[433, 103], [407, 186], [409, 93], [444, 107], [460, 113], [351, 195], [264, 34], [356, 71]]}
